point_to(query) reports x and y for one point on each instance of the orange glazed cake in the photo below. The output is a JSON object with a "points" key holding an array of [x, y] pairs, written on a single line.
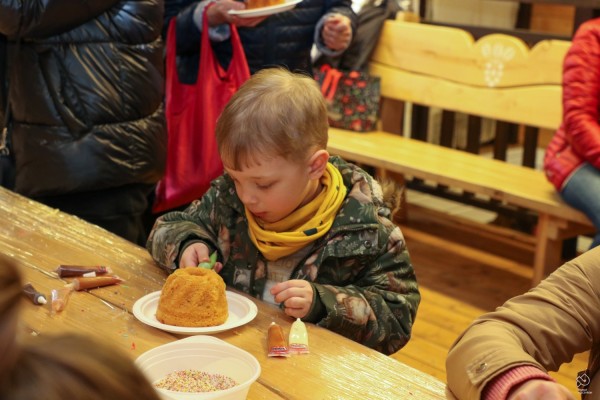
{"points": [[193, 297], [262, 3]]}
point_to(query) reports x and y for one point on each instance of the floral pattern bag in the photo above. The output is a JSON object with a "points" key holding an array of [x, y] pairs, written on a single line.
{"points": [[352, 98]]}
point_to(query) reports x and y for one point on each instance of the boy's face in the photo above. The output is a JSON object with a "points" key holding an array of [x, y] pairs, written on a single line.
{"points": [[274, 188]]}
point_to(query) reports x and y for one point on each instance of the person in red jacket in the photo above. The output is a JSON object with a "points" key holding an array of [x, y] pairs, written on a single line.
{"points": [[572, 160]]}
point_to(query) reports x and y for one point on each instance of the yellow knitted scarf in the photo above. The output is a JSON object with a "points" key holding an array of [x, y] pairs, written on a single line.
{"points": [[304, 225]]}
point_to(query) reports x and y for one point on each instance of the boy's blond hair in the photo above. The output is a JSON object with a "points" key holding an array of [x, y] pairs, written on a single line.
{"points": [[275, 113]]}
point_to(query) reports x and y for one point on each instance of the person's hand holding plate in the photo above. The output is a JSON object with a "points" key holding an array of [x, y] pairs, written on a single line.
{"points": [[219, 14]]}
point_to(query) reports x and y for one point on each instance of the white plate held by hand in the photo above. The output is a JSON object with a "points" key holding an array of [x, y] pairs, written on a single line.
{"points": [[263, 11], [241, 311]]}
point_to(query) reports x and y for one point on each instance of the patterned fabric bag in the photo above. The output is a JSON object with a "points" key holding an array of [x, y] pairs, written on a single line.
{"points": [[352, 98]]}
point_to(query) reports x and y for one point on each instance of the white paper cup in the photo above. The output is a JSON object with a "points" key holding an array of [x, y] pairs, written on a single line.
{"points": [[204, 353]]}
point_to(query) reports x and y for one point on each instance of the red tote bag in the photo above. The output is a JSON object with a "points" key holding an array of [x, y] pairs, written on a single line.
{"points": [[192, 111]]}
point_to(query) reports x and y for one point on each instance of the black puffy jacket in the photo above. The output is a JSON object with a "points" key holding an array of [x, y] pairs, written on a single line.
{"points": [[85, 84], [281, 39]]}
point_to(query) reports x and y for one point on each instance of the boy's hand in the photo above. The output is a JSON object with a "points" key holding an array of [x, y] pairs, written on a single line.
{"points": [[296, 296], [194, 254], [539, 389], [337, 32]]}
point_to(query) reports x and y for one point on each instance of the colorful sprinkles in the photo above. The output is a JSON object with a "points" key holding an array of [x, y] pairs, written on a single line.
{"points": [[191, 380]]}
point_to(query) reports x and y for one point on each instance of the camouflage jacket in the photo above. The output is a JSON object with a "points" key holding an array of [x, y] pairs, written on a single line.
{"points": [[364, 283]]}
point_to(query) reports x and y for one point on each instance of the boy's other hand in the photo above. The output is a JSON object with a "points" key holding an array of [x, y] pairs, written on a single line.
{"points": [[539, 389], [296, 296], [196, 253]]}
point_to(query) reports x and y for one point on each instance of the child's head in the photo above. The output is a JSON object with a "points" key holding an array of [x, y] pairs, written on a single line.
{"points": [[59, 367], [272, 137], [69, 365], [275, 113]]}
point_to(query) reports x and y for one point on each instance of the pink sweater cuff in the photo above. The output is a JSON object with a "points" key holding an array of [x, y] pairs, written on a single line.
{"points": [[499, 387]]}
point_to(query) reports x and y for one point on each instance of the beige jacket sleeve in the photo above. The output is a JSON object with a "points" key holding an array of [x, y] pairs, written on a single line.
{"points": [[544, 327]]}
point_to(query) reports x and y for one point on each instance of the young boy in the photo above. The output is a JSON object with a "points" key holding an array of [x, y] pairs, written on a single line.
{"points": [[293, 226]]}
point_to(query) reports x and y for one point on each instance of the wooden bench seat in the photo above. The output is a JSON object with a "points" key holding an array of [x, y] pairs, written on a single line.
{"points": [[497, 77]]}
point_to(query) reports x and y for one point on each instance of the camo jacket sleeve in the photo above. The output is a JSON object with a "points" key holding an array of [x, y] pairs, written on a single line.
{"points": [[172, 231], [370, 298]]}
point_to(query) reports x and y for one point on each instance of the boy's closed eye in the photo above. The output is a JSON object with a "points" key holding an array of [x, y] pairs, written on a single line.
{"points": [[264, 186]]}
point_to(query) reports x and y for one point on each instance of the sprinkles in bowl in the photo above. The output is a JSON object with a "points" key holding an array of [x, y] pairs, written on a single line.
{"points": [[194, 381]]}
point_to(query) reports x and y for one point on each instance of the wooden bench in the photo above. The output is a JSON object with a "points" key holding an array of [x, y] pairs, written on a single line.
{"points": [[497, 77]]}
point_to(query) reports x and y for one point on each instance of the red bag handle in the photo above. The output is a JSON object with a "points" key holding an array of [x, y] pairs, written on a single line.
{"points": [[330, 81], [207, 52], [206, 49]]}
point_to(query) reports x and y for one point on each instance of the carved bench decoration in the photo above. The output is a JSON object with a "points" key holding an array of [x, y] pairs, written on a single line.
{"points": [[497, 55], [443, 67]]}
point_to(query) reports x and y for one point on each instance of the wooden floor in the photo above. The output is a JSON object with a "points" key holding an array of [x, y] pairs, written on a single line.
{"points": [[460, 282]]}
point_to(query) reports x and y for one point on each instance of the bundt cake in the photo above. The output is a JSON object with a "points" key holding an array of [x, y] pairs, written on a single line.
{"points": [[193, 297]]}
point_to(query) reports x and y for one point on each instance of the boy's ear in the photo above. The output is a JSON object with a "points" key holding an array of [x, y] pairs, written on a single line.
{"points": [[318, 163]]}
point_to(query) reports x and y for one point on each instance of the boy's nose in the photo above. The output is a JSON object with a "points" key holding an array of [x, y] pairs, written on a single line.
{"points": [[247, 198]]}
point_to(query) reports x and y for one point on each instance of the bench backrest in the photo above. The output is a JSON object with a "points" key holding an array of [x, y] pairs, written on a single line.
{"points": [[497, 77]]}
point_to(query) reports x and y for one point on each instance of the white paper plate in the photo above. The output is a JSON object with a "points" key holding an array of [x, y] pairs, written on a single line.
{"points": [[261, 12], [241, 311]]}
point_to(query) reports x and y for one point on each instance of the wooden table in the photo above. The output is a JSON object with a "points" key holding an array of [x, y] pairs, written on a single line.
{"points": [[41, 238]]}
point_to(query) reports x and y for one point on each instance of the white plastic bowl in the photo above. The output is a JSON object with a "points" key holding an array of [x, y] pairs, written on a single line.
{"points": [[204, 353]]}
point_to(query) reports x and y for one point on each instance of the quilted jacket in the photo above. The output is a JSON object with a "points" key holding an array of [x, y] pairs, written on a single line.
{"points": [[578, 138], [360, 270], [85, 85]]}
